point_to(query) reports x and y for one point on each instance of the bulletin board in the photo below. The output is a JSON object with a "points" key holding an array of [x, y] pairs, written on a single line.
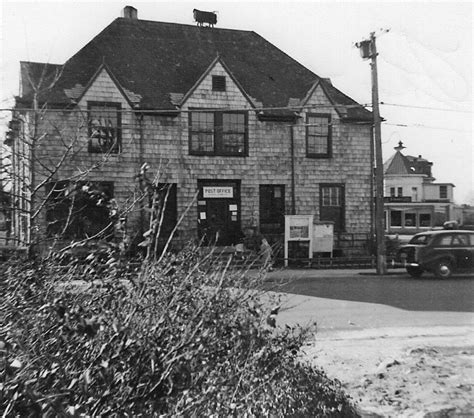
{"points": [[299, 228]]}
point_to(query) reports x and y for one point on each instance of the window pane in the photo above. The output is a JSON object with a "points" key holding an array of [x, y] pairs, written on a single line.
{"points": [[335, 196], [202, 142], [318, 126], [332, 206], [331, 196], [443, 192], [326, 197], [233, 133], [395, 218], [317, 145], [202, 132], [104, 128], [318, 135], [461, 240], [233, 143], [233, 122], [410, 219], [425, 219], [445, 240], [202, 121]]}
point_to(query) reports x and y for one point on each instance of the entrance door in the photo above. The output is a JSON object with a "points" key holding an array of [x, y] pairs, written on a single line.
{"points": [[219, 212]]}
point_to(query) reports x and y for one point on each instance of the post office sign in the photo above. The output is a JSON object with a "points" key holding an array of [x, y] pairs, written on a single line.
{"points": [[218, 192]]}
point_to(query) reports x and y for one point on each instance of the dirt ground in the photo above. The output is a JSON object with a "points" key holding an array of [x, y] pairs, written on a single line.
{"points": [[402, 372]]}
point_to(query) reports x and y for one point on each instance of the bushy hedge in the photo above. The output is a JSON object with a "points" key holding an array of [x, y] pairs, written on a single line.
{"points": [[170, 340]]}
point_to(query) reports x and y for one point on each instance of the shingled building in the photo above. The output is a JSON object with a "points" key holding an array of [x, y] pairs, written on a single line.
{"points": [[239, 131]]}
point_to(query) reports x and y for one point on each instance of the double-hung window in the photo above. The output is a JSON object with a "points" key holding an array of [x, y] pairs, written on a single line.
{"points": [[218, 133], [318, 135], [105, 127]]}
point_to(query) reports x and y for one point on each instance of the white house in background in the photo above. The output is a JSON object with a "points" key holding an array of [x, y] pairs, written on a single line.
{"points": [[413, 201]]}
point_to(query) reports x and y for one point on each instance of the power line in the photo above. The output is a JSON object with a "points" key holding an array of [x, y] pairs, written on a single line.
{"points": [[294, 108], [419, 125], [426, 107]]}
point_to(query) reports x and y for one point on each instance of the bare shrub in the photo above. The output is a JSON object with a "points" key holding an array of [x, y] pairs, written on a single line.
{"points": [[167, 339]]}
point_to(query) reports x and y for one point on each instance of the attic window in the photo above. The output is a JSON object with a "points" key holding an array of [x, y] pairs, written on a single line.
{"points": [[218, 83]]}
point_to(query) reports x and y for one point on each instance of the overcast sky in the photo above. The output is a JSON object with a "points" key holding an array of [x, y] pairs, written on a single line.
{"points": [[425, 60]]}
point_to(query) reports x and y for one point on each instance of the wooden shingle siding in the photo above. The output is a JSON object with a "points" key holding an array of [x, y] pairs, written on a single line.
{"points": [[166, 149]]}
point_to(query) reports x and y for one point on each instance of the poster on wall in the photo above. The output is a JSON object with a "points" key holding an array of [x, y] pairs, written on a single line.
{"points": [[299, 231]]}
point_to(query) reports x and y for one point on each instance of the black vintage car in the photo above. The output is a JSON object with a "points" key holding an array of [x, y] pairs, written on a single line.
{"points": [[440, 252]]}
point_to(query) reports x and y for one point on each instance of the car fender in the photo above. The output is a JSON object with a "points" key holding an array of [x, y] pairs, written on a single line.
{"points": [[429, 263]]}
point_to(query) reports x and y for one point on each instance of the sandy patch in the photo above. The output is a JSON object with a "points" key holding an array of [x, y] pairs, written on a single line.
{"points": [[402, 372]]}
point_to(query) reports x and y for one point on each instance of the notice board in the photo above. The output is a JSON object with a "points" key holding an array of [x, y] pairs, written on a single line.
{"points": [[323, 237]]}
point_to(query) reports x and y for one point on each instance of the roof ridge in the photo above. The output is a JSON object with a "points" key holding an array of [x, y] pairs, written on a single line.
{"points": [[181, 24]]}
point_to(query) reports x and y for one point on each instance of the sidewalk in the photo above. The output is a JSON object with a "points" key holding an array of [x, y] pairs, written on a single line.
{"points": [[391, 361]]}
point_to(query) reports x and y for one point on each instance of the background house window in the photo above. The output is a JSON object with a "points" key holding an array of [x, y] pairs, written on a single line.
{"points": [[443, 192], [395, 218], [410, 219], [318, 136], [218, 83], [400, 192], [218, 133], [272, 208], [332, 205], [392, 191], [105, 127], [414, 194], [425, 219]]}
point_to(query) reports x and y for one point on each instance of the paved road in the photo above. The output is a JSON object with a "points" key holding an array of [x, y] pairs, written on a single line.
{"points": [[397, 289]]}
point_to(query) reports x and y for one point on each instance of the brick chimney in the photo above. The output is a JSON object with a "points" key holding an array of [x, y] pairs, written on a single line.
{"points": [[130, 12]]}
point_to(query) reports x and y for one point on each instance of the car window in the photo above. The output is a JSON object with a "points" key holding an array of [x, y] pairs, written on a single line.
{"points": [[420, 239], [461, 240], [445, 240]]}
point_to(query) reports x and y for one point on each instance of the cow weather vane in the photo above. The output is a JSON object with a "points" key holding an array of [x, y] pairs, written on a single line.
{"points": [[202, 17]]}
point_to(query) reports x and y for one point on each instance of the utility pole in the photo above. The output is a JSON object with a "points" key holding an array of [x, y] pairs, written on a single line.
{"points": [[368, 49]]}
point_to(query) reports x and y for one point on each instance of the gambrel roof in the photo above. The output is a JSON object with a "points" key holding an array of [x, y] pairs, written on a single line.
{"points": [[158, 62]]}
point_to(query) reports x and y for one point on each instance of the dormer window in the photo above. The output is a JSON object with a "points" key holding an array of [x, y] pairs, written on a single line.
{"points": [[218, 83], [105, 127]]}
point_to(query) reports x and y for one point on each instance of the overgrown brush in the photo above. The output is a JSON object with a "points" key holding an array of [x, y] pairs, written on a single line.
{"points": [[170, 340]]}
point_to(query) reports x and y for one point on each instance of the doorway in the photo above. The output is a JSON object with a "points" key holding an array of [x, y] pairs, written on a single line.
{"points": [[219, 212]]}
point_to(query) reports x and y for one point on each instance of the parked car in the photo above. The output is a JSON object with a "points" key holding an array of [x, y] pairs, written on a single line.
{"points": [[439, 252]]}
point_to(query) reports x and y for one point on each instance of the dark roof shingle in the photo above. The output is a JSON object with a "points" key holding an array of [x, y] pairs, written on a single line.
{"points": [[157, 60]]}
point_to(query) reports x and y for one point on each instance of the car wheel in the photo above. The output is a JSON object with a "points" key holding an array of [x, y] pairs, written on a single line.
{"points": [[443, 270], [414, 271]]}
